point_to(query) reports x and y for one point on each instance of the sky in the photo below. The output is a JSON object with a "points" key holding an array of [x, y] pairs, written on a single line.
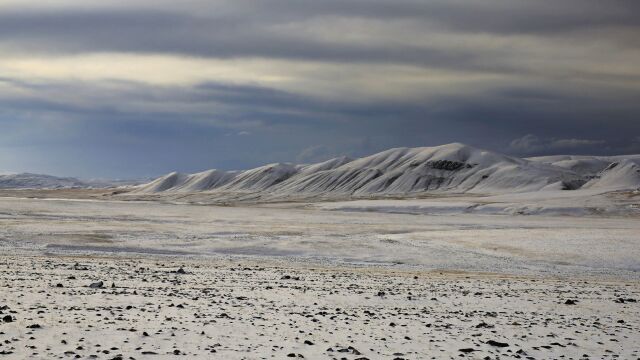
{"points": [[139, 88]]}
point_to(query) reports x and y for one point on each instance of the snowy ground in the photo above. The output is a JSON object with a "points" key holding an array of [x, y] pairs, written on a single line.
{"points": [[260, 281], [242, 309], [591, 202], [530, 245]]}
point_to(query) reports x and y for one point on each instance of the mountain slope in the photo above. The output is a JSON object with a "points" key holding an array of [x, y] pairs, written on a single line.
{"points": [[624, 174], [178, 182], [584, 165], [234, 181], [451, 168]]}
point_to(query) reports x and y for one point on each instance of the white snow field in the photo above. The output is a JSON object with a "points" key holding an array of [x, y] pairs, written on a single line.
{"points": [[532, 245], [103, 279], [174, 308]]}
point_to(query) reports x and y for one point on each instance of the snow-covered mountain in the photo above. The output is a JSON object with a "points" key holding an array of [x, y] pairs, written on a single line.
{"points": [[451, 168], [602, 172], [40, 181]]}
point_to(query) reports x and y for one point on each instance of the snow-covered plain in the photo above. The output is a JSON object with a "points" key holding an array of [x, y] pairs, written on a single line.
{"points": [[551, 245], [172, 308], [296, 280], [299, 280], [585, 202]]}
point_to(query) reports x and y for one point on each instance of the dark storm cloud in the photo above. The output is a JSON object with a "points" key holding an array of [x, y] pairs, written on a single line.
{"points": [[502, 16], [247, 29], [171, 33]]}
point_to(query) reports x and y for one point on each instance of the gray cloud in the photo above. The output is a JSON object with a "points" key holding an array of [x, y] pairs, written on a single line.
{"points": [[182, 34], [316, 153], [151, 130], [258, 29], [487, 16], [532, 144], [480, 72]]}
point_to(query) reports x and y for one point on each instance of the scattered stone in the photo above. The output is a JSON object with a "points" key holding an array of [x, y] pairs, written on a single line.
{"points": [[497, 343], [97, 285]]}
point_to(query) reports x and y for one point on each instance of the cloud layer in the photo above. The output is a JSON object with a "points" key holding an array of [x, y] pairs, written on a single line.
{"points": [[139, 88]]}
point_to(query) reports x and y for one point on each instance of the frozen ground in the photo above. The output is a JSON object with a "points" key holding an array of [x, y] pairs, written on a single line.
{"points": [[530, 245], [312, 281], [239, 309], [591, 202]]}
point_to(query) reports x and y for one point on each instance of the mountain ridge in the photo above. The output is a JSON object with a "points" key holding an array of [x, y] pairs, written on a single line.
{"points": [[28, 181], [453, 168], [403, 171]]}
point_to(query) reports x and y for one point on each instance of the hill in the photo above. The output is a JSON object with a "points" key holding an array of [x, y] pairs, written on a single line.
{"points": [[405, 172]]}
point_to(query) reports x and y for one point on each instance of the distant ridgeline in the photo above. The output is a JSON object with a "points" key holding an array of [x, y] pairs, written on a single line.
{"points": [[39, 181]]}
